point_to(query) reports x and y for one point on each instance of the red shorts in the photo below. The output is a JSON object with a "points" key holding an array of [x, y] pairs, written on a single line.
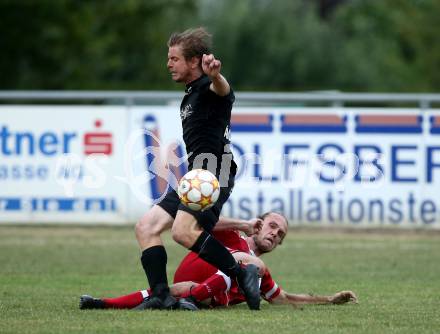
{"points": [[193, 269]]}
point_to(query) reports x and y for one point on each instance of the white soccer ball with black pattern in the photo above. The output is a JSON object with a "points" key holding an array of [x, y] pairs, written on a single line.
{"points": [[198, 189]]}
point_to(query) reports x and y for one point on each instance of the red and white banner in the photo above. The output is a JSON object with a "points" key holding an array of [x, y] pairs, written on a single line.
{"points": [[57, 164]]}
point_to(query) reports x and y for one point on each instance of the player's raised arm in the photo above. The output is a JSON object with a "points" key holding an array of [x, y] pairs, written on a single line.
{"points": [[341, 297], [249, 227], [211, 67]]}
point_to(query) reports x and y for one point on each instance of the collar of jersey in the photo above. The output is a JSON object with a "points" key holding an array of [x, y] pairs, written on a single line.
{"points": [[194, 85]]}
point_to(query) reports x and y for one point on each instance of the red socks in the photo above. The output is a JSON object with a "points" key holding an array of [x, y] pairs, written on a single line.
{"points": [[127, 301], [214, 285], [217, 283]]}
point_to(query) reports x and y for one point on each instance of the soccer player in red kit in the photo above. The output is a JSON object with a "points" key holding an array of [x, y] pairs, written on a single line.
{"points": [[200, 282]]}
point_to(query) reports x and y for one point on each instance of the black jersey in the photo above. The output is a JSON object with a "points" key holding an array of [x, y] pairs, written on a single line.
{"points": [[206, 119]]}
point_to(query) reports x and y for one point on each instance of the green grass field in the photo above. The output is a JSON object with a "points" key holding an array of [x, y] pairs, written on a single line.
{"points": [[43, 271]]}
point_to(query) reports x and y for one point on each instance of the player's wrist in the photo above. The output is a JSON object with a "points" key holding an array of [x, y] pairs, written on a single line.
{"points": [[244, 225], [215, 78]]}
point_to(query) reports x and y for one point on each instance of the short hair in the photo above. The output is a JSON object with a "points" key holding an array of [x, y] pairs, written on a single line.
{"points": [[194, 42], [264, 215]]}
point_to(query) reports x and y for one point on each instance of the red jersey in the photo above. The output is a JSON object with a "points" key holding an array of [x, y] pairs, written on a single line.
{"points": [[193, 268], [233, 241]]}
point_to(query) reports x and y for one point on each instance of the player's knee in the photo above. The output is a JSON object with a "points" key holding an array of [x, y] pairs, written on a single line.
{"points": [[261, 266], [149, 225], [183, 236], [255, 261], [185, 230], [180, 236]]}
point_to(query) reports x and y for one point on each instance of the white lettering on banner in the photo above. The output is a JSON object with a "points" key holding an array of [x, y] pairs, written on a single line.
{"points": [[53, 170], [3, 204], [57, 204], [71, 170], [150, 165], [349, 166], [328, 166]]}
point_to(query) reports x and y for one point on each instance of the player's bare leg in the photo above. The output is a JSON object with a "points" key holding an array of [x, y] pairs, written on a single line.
{"points": [[154, 256], [185, 230], [150, 227], [247, 259]]}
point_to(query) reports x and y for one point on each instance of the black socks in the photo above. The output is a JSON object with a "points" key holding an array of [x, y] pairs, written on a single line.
{"points": [[154, 261], [213, 252]]}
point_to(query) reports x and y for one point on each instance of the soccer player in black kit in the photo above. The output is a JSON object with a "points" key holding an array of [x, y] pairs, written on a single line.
{"points": [[205, 113]]}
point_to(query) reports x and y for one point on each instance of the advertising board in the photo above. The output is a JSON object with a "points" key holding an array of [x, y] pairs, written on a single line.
{"points": [[319, 166]]}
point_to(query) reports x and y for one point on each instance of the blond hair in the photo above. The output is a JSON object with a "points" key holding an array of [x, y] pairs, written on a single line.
{"points": [[194, 42]]}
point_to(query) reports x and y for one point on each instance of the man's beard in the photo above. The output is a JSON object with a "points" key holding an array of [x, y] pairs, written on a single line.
{"points": [[260, 249]]}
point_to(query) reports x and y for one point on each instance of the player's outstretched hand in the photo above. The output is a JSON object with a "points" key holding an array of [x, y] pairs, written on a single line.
{"points": [[211, 66], [254, 225], [344, 297]]}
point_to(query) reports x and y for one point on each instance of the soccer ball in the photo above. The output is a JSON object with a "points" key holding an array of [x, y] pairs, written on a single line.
{"points": [[198, 189]]}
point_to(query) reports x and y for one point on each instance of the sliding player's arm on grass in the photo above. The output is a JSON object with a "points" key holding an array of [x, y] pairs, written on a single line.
{"points": [[275, 295], [341, 297], [249, 227]]}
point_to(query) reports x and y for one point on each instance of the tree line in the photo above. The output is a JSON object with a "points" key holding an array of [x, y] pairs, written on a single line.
{"points": [[265, 45]]}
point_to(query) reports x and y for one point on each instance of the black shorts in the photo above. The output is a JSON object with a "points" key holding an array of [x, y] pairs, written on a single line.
{"points": [[206, 219]]}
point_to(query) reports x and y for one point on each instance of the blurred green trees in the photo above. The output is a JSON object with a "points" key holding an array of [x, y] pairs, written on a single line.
{"points": [[72, 44], [361, 45]]}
